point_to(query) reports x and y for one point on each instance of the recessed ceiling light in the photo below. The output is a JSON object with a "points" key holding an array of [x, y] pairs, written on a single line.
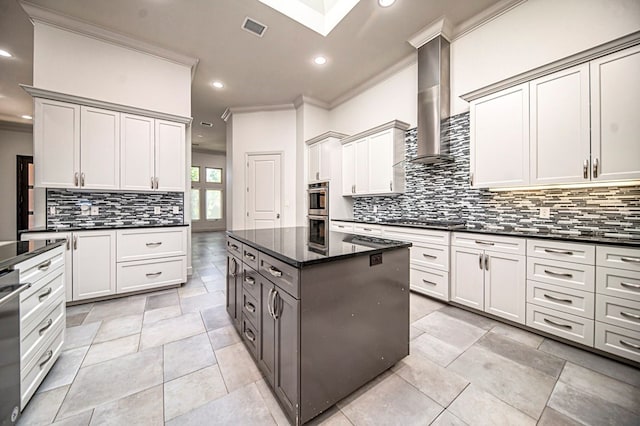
{"points": [[320, 60], [27, 117], [386, 3], [5, 53], [217, 84]]}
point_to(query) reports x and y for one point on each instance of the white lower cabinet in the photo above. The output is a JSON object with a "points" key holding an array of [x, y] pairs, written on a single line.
{"points": [[570, 327], [94, 264]]}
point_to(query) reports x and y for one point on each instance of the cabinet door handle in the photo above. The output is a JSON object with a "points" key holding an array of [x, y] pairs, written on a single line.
{"points": [[44, 295], [630, 285], [596, 163], [630, 345], [486, 262], [391, 186], [250, 307], [629, 315], [429, 256], [249, 280], [630, 259], [68, 243], [276, 304], [485, 243], [558, 274], [249, 335], [275, 272], [44, 265], [153, 274], [75, 242], [47, 357], [250, 256], [557, 299], [428, 282], [269, 303], [470, 179], [585, 169], [157, 182], [353, 189], [317, 175], [156, 244], [46, 327], [235, 267], [480, 261], [556, 251], [152, 183], [557, 324], [76, 181], [82, 179]]}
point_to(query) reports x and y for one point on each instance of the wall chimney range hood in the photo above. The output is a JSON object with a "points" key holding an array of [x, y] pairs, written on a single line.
{"points": [[433, 100]]}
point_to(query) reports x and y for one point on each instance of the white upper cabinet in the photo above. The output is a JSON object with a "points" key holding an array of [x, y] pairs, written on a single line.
{"points": [[380, 151], [314, 162], [615, 117], [559, 111], [56, 135], [348, 170], [500, 138], [319, 158], [362, 159], [170, 156], [137, 152], [99, 148]]}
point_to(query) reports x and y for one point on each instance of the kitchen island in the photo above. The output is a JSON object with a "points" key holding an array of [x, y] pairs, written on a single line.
{"points": [[321, 317]]}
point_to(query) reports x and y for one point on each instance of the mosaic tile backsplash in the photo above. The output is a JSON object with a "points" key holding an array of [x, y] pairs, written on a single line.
{"points": [[73, 208], [441, 191]]}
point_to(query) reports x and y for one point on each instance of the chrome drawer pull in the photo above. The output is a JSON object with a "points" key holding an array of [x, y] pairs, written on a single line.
{"points": [[557, 299], [367, 229], [558, 274], [430, 256], [249, 280], [273, 271], [156, 244], [45, 294], [629, 285], [557, 324], [46, 327], [48, 357], [249, 306], [233, 246], [45, 265], [630, 259], [249, 335], [428, 282], [554, 251], [628, 315], [631, 345], [153, 274], [249, 256], [486, 243]]}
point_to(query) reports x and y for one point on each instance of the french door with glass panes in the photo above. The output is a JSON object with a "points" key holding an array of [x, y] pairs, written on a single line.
{"points": [[207, 196]]}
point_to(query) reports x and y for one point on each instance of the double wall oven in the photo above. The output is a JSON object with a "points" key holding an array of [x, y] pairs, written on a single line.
{"points": [[318, 215]]}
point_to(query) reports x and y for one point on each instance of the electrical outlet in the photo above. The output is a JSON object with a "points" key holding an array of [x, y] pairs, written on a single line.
{"points": [[95, 210], [545, 212], [156, 210], [176, 209], [375, 209], [52, 210]]}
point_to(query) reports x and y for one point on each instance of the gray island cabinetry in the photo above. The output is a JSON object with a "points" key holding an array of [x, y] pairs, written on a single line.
{"points": [[319, 320]]}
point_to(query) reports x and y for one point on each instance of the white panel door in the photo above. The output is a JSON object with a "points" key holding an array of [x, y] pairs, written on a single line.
{"points": [[56, 135], [467, 277], [348, 168], [615, 106], [500, 138], [381, 162], [137, 151], [94, 264], [170, 156], [324, 168], [362, 166], [314, 162], [99, 148], [560, 139], [505, 286], [263, 200]]}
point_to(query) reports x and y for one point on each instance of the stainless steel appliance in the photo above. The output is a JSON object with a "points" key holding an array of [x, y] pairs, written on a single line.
{"points": [[10, 289], [319, 199], [318, 232]]}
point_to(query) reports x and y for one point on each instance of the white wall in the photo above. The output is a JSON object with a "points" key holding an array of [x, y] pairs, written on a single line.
{"points": [[264, 132], [12, 143], [204, 160], [71, 63]]}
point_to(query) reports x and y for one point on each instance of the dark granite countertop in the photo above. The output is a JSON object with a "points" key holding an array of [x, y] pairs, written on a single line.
{"points": [[112, 226], [18, 251], [594, 237], [291, 245]]}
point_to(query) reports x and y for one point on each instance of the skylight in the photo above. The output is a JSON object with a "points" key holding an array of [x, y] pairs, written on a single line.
{"points": [[322, 16]]}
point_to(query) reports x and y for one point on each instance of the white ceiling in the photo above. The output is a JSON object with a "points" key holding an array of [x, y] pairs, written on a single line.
{"points": [[274, 69]]}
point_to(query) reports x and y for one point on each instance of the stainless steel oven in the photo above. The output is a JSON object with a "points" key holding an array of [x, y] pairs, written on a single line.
{"points": [[318, 231], [318, 194]]}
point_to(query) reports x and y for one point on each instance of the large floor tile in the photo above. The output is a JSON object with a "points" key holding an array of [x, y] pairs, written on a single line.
{"points": [[116, 308], [414, 332], [470, 317], [116, 328], [420, 305], [438, 383], [171, 329], [215, 318], [192, 391], [244, 407], [112, 380], [192, 291], [332, 417], [187, 355], [517, 334], [143, 408], [111, 349], [65, 369], [449, 329], [477, 407], [448, 419], [81, 335], [43, 407], [74, 320], [271, 403], [237, 367], [160, 314], [224, 336], [522, 387], [435, 349], [81, 419], [216, 285], [202, 302], [551, 417], [163, 300]]}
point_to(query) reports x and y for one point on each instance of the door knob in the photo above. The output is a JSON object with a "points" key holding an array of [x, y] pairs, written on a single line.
{"points": [[277, 215]]}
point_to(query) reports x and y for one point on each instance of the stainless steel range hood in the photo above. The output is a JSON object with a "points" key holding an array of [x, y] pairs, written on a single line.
{"points": [[433, 100]]}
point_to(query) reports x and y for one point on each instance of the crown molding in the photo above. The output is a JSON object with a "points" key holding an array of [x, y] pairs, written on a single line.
{"points": [[484, 17], [52, 18], [326, 135], [302, 99], [394, 124], [258, 108], [200, 150], [13, 126], [441, 26]]}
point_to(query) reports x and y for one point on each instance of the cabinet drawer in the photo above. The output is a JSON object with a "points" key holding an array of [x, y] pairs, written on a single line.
{"points": [[490, 242], [283, 275], [416, 235], [563, 299], [42, 330], [250, 337], [618, 282], [566, 274], [139, 244], [617, 340], [342, 226], [367, 229], [570, 327], [35, 269], [569, 252], [234, 247], [32, 373], [144, 274], [616, 311], [250, 282], [432, 282], [431, 256], [250, 308], [40, 296], [618, 257], [250, 256]]}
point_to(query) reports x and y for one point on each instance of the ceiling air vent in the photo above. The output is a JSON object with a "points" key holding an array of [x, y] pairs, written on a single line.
{"points": [[205, 124], [253, 26]]}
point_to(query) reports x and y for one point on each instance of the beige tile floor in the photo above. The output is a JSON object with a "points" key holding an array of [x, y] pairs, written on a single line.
{"points": [[172, 357]]}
